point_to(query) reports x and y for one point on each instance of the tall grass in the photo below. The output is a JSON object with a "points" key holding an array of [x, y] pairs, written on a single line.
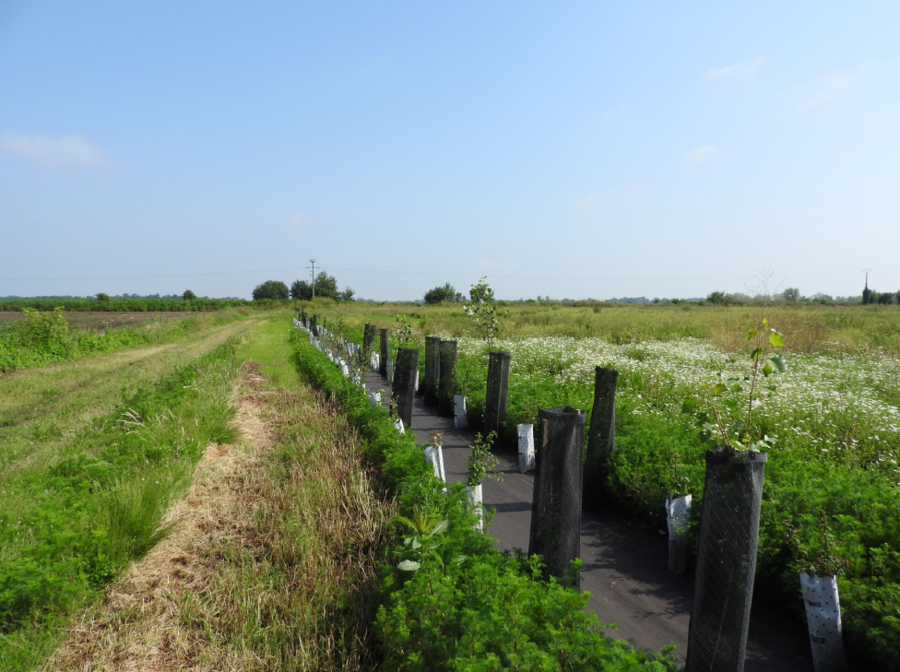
{"points": [[812, 327], [131, 510]]}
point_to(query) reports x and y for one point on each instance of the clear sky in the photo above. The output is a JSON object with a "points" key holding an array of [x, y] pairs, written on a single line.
{"points": [[565, 149]]}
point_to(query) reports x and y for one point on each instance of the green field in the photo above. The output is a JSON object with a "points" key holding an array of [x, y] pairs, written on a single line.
{"points": [[97, 447], [832, 418], [118, 549]]}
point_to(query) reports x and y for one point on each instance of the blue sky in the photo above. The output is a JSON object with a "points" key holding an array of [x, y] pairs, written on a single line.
{"points": [[564, 149]]}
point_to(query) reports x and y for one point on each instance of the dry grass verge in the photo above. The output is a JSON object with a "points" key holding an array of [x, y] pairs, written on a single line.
{"points": [[270, 560]]}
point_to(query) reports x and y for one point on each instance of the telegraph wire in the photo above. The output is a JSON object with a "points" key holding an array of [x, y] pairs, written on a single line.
{"points": [[328, 268]]}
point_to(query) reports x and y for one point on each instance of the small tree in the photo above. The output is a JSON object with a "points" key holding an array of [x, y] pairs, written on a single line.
{"points": [[885, 298], [326, 286], [103, 297], [718, 298], [791, 294], [271, 289], [445, 293], [482, 310], [481, 461], [45, 330], [188, 295], [301, 290]]}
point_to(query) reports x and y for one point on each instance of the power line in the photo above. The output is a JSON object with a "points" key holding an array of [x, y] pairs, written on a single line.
{"points": [[155, 277], [416, 273]]}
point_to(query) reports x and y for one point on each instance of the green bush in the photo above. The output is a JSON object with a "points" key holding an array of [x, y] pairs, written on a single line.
{"points": [[271, 289]]}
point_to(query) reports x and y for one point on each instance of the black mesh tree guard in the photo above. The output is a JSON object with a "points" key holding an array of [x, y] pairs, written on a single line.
{"points": [[497, 391], [403, 390], [368, 336], [601, 435], [303, 318], [726, 561], [447, 381], [556, 503], [314, 326], [432, 367], [385, 350]]}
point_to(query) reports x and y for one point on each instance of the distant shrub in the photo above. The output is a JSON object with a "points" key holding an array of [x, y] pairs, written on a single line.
{"points": [[271, 289], [44, 331], [445, 293]]}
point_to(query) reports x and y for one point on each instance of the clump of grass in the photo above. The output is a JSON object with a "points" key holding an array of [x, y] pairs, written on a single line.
{"points": [[132, 510]]}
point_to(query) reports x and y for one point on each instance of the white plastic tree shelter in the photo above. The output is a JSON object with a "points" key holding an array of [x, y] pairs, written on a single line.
{"points": [[476, 500], [678, 515], [434, 456], [823, 617], [460, 418], [526, 448]]}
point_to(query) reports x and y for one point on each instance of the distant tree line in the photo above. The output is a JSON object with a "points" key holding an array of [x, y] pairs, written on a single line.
{"points": [[187, 295], [116, 304], [871, 297], [792, 295], [325, 287]]}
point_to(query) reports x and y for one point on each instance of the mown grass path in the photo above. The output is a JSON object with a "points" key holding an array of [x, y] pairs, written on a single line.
{"points": [[81, 491], [42, 408], [272, 554]]}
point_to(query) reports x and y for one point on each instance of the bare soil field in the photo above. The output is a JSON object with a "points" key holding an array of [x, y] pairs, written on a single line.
{"points": [[99, 319]]}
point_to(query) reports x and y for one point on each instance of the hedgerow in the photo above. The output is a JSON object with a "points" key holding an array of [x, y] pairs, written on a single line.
{"points": [[468, 606], [124, 305]]}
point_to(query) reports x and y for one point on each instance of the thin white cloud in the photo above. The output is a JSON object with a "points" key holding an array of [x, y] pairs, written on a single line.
{"points": [[830, 87], [70, 150], [699, 154], [737, 71]]}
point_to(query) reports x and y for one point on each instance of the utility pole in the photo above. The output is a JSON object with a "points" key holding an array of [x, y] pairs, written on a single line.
{"points": [[313, 283], [866, 294]]}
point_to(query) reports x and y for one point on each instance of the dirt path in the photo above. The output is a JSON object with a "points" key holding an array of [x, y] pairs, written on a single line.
{"points": [[625, 565], [144, 622]]}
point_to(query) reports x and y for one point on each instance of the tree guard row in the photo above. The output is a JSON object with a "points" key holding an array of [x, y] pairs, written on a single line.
{"points": [[729, 526]]}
